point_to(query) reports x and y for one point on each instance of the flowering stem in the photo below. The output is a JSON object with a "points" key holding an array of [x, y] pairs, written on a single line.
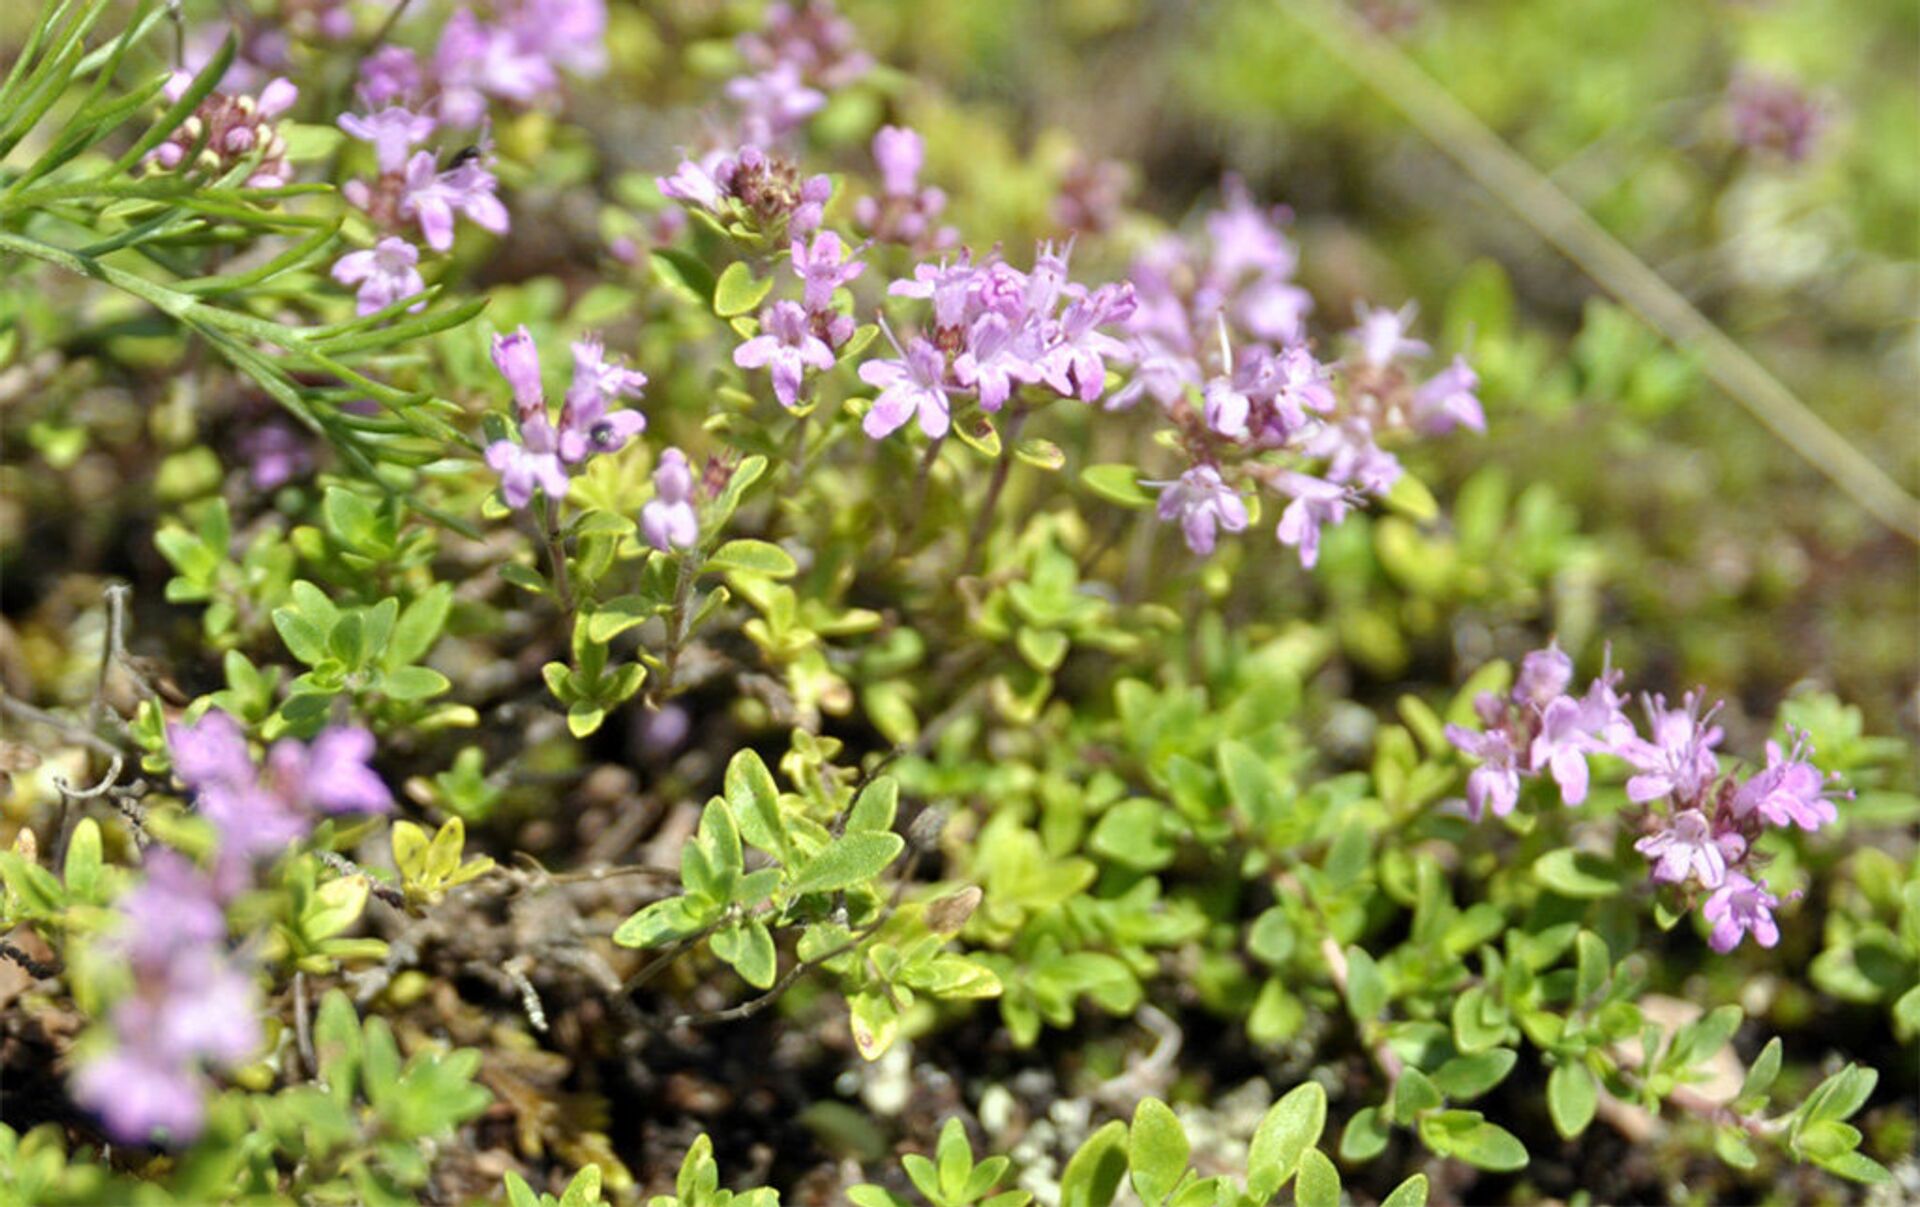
{"points": [[983, 523], [921, 481], [679, 620], [557, 558]]}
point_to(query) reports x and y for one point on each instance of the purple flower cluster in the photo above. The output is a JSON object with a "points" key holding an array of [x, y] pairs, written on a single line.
{"points": [[1702, 823], [192, 1005], [905, 211], [994, 330], [546, 455], [258, 810], [799, 54], [1774, 116], [413, 187], [227, 131], [797, 336], [517, 58], [1221, 323]]}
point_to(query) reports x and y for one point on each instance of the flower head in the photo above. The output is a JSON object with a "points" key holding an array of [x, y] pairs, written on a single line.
{"points": [[787, 347], [386, 273], [392, 130], [533, 462], [1739, 907], [1687, 847], [1200, 501], [1790, 791], [668, 520], [912, 384]]}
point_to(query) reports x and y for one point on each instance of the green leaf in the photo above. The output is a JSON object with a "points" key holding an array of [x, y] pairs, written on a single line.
{"points": [[1410, 1193], [409, 843], [661, 922], [1289, 1129], [1366, 988], [1760, 1076], [1467, 1077], [1319, 1184], [752, 557], [84, 861], [1094, 1172], [1116, 484], [1577, 874], [305, 640], [683, 272], [1468, 1136], [1856, 1167], [749, 948], [1414, 1094], [419, 625], [736, 292], [1365, 1136], [1572, 1096], [413, 683], [875, 807], [849, 860], [1157, 1151], [755, 801]]}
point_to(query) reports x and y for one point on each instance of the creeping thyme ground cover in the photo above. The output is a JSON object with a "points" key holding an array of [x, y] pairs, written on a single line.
{"points": [[694, 603]]}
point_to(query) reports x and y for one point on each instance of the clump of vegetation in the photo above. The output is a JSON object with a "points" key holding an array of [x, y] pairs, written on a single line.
{"points": [[632, 606]]}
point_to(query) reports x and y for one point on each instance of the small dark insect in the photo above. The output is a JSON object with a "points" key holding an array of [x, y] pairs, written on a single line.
{"points": [[464, 155]]}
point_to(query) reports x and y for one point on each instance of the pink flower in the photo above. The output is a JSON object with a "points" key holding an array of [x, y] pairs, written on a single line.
{"points": [[1687, 847], [1679, 761], [534, 462], [669, 521], [1789, 792], [1447, 401], [823, 267], [1495, 783], [393, 131], [1315, 503], [913, 384], [788, 347], [586, 425], [433, 197], [330, 775], [385, 273], [1739, 907], [517, 358], [1382, 334], [1201, 501]]}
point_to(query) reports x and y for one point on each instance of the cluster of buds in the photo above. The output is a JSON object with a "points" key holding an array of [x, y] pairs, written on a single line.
{"points": [[228, 131], [752, 195], [1701, 826]]}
